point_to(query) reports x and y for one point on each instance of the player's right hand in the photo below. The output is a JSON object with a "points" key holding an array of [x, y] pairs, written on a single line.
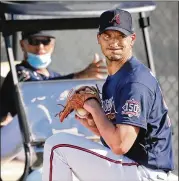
{"points": [[88, 123]]}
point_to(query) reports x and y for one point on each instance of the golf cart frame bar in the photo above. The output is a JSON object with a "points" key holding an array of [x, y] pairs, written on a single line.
{"points": [[61, 15]]}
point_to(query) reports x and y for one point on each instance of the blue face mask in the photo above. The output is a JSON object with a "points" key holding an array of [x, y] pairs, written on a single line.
{"points": [[39, 61]]}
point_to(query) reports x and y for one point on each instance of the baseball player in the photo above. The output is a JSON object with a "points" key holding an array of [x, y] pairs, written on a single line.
{"points": [[133, 123]]}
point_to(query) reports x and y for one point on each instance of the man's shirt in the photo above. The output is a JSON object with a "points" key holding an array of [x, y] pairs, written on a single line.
{"points": [[25, 73], [133, 96]]}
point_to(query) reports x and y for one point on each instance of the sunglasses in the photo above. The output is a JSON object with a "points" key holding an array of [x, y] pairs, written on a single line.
{"points": [[37, 42]]}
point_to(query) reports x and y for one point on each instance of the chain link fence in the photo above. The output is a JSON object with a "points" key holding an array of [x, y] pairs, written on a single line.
{"points": [[164, 39], [169, 85]]}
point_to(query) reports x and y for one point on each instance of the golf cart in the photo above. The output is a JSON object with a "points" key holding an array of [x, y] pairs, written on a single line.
{"points": [[37, 109]]}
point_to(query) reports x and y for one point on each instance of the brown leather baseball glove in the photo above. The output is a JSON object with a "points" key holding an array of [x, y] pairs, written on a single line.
{"points": [[76, 99]]}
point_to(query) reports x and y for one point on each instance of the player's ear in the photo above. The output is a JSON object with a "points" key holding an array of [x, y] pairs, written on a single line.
{"points": [[133, 38]]}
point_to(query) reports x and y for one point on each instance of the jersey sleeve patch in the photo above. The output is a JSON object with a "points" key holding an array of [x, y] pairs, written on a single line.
{"points": [[131, 108]]}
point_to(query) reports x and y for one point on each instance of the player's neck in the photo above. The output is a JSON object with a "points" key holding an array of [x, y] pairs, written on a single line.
{"points": [[114, 66]]}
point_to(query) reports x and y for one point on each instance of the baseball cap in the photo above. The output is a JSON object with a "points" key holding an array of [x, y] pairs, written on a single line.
{"points": [[116, 19], [37, 33]]}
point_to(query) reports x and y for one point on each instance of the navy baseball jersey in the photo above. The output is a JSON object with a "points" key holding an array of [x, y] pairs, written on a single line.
{"points": [[25, 73], [133, 96]]}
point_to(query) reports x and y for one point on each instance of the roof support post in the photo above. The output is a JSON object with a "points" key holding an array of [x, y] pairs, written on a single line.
{"points": [[144, 24], [20, 108], [14, 41]]}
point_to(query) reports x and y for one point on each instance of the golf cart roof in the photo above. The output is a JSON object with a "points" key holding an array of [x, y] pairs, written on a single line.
{"points": [[72, 9], [61, 15]]}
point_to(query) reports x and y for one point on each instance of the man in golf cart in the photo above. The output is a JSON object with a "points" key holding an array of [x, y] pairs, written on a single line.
{"points": [[38, 48]]}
